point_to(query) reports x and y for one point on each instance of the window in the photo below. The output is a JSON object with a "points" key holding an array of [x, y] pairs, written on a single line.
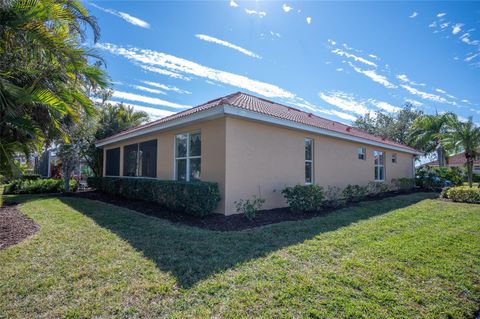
{"points": [[362, 153], [379, 158], [188, 160], [112, 162], [140, 159], [394, 157], [308, 161]]}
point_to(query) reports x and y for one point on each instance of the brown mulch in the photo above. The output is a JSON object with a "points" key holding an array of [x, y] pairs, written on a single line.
{"points": [[213, 221], [14, 226]]}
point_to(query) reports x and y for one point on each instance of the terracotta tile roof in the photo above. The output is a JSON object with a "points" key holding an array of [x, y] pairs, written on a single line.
{"points": [[455, 160], [259, 105]]}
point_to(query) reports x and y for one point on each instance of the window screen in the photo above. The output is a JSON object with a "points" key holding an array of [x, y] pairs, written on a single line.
{"points": [[148, 159], [130, 160], [112, 162]]}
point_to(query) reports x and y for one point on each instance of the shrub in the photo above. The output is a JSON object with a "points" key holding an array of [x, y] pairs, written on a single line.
{"points": [[437, 177], [464, 194], [1, 195], [403, 184], [94, 182], [476, 178], [38, 186], [334, 197], [30, 177], [195, 198], [249, 207], [354, 193], [443, 193], [304, 198], [3, 179]]}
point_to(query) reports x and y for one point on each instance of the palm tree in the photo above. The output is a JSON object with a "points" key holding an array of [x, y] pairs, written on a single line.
{"points": [[427, 132], [44, 72], [464, 136]]}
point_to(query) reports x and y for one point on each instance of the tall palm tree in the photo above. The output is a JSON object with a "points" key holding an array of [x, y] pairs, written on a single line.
{"points": [[464, 136], [44, 72], [427, 132]]}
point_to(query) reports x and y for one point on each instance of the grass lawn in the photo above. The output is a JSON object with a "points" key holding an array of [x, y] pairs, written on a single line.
{"points": [[404, 257]]}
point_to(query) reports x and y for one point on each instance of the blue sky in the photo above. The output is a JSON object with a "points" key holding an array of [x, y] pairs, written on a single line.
{"points": [[335, 59]]}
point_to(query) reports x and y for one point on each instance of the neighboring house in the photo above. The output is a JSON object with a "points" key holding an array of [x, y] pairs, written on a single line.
{"points": [[458, 160], [252, 146]]}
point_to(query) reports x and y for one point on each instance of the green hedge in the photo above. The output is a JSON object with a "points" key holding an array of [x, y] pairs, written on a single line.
{"points": [[304, 198], [38, 186], [195, 198], [464, 194]]}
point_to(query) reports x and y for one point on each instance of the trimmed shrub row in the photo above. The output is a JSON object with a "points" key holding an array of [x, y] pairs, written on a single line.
{"points": [[435, 178], [309, 198], [37, 186], [195, 198], [463, 194]]}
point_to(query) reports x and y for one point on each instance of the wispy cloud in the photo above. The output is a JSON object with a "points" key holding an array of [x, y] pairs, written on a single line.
{"points": [[354, 57], [404, 78], [385, 106], [233, 4], [286, 7], [149, 90], [425, 95], [309, 20], [228, 45], [165, 72], [344, 101], [415, 103], [166, 87], [457, 28], [374, 76], [413, 15], [125, 16], [150, 60], [441, 15], [440, 91], [261, 14], [149, 100]]}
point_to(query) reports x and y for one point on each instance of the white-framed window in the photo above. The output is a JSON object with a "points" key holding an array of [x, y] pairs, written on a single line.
{"points": [[361, 153], [308, 161], [188, 156], [379, 159], [394, 158]]}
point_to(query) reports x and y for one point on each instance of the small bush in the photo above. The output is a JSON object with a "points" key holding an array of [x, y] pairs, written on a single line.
{"points": [[443, 193], [94, 182], [195, 198], [437, 177], [249, 207], [403, 184], [30, 177], [39, 186], [354, 193], [334, 197], [376, 188], [464, 194], [304, 198]]}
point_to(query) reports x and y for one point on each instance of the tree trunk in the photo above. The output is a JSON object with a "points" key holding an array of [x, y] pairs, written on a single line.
{"points": [[470, 171], [66, 177], [441, 155]]}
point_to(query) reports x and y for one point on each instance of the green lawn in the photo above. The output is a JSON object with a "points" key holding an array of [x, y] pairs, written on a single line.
{"points": [[405, 257]]}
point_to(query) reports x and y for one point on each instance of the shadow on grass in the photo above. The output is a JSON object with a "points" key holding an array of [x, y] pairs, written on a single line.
{"points": [[193, 254]]}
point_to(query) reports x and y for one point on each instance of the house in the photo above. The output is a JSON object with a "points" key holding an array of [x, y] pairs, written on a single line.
{"points": [[252, 146], [458, 160]]}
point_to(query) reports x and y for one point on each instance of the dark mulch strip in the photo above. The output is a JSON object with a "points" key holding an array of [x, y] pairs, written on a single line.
{"points": [[14, 226], [214, 221]]}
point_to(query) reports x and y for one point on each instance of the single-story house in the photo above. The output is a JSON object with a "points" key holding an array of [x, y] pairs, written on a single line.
{"points": [[458, 160], [253, 146]]}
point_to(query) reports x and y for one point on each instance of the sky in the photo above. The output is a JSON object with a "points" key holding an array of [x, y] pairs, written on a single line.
{"points": [[338, 60]]}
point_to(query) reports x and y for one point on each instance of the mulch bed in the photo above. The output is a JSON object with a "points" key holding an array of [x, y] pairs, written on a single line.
{"points": [[14, 226], [214, 221]]}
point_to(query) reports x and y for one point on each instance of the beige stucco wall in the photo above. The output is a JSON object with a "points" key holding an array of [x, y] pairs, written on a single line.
{"points": [[213, 152], [263, 159], [249, 158]]}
